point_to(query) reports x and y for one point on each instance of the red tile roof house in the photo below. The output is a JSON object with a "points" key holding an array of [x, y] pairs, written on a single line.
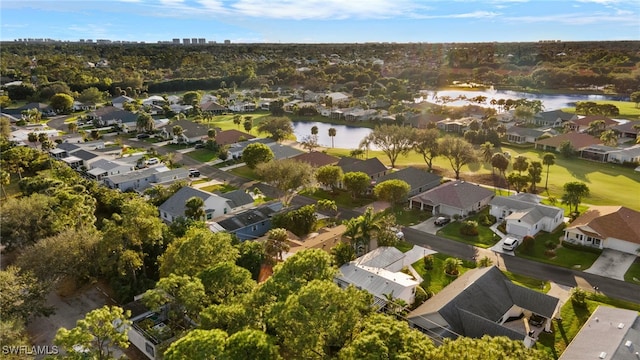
{"points": [[232, 136], [579, 141], [453, 198], [582, 124], [606, 227]]}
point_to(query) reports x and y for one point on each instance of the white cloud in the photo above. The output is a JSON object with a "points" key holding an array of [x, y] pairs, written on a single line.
{"points": [[580, 19]]}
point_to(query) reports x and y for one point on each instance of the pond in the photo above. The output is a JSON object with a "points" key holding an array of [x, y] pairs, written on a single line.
{"points": [[550, 101], [347, 137]]}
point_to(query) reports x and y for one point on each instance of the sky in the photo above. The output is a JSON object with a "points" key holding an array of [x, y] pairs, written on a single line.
{"points": [[322, 21]]}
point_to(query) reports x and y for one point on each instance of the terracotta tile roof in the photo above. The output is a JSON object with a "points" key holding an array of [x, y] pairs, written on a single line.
{"points": [[578, 140], [585, 121], [231, 137], [316, 159], [610, 222]]}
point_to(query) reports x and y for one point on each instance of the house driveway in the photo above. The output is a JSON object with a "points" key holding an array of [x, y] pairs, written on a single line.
{"points": [[427, 226], [612, 263]]}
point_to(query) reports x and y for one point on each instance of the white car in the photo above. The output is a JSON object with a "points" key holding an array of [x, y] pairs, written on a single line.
{"points": [[510, 244], [153, 161]]}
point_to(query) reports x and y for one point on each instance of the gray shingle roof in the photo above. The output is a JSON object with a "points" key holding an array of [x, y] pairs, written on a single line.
{"points": [[474, 302], [370, 166], [246, 218], [415, 177], [175, 205], [458, 194], [237, 198], [283, 151]]}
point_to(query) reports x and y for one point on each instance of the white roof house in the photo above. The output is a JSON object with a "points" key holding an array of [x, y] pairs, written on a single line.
{"points": [[524, 215]]}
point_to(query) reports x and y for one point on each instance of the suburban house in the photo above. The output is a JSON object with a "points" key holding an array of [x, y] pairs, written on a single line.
{"points": [[609, 333], [250, 224], [422, 120], [578, 141], [281, 152], [45, 109], [103, 167], [554, 118], [141, 179], [628, 155], [455, 125], [215, 205], [372, 167], [80, 106], [154, 100], [121, 100], [523, 135], [379, 272], [359, 114], [191, 132], [325, 239], [235, 150], [582, 124], [338, 98], [244, 106], [606, 227], [626, 130], [232, 136], [483, 301], [151, 331], [419, 180], [452, 198], [111, 115], [212, 107], [524, 214], [316, 159]]}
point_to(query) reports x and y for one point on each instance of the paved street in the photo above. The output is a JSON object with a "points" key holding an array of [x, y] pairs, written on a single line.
{"points": [[563, 276]]}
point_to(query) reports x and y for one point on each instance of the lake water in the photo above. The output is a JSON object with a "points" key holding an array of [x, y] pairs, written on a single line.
{"points": [[349, 137]]}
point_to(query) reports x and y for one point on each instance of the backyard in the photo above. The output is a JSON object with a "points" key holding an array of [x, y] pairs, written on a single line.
{"points": [[435, 280]]}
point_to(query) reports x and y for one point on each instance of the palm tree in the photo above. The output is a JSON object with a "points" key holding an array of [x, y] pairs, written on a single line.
{"points": [[194, 208], [248, 123], [370, 224], [365, 144], [5, 179], [72, 127], [452, 266], [237, 119], [595, 127], [314, 130], [548, 159], [609, 137], [332, 134], [144, 122], [486, 150], [276, 244], [177, 131]]}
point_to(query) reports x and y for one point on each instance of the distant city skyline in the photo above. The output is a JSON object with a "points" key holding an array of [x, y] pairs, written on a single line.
{"points": [[322, 21]]}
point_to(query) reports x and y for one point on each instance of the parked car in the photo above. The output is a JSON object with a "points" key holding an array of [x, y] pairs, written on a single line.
{"points": [[143, 136], [510, 244], [153, 161], [194, 172], [199, 146], [442, 220]]}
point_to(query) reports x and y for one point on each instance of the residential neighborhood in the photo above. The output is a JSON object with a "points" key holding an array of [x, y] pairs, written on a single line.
{"points": [[258, 210]]}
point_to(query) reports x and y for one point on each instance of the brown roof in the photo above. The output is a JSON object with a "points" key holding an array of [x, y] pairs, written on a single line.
{"points": [[577, 140], [231, 137], [325, 240], [585, 121], [616, 222], [457, 194], [316, 159]]}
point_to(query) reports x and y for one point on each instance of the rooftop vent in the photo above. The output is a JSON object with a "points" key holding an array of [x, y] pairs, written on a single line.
{"points": [[628, 343], [621, 325], [603, 355]]}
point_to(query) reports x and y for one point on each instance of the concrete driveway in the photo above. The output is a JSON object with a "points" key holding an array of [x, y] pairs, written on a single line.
{"points": [[612, 263], [428, 226]]}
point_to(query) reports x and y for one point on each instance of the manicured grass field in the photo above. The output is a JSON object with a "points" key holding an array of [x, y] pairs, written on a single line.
{"points": [[628, 109], [608, 183], [222, 188], [408, 217], [565, 257], [528, 282], [245, 172]]}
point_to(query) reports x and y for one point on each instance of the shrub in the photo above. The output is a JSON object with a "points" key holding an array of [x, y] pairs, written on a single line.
{"points": [[422, 295], [452, 266], [485, 262], [456, 217], [503, 227], [590, 249], [550, 244], [579, 297], [550, 253], [487, 220], [428, 262], [469, 227], [528, 243]]}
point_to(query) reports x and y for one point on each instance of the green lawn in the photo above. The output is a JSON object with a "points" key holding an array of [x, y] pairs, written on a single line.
{"points": [[203, 155], [485, 238], [245, 172], [573, 318], [608, 183], [408, 217], [222, 188], [403, 246], [628, 109], [565, 257], [633, 274], [528, 282], [435, 280], [342, 198]]}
